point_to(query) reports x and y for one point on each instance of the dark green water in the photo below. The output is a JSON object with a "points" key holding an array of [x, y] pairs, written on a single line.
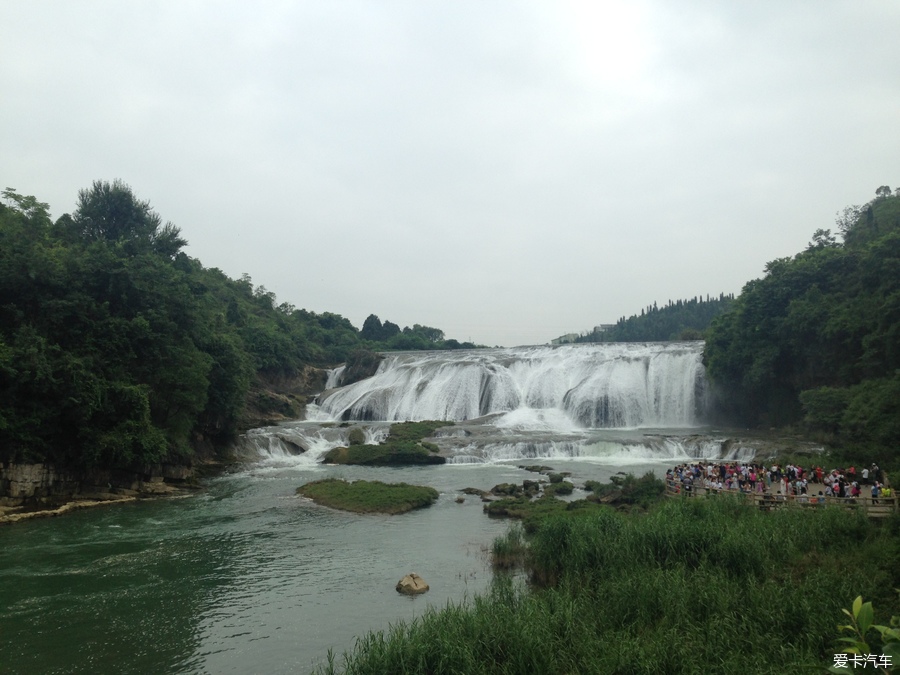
{"points": [[243, 577]]}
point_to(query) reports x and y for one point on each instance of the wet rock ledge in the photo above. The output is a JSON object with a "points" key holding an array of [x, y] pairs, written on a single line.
{"points": [[32, 490]]}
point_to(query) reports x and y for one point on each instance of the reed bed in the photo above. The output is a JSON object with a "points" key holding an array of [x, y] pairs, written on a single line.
{"points": [[694, 586]]}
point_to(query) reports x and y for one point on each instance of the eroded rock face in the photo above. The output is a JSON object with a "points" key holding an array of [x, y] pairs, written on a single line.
{"points": [[412, 584], [44, 484]]}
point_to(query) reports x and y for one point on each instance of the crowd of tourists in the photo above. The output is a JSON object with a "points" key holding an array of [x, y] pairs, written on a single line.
{"points": [[747, 477]]}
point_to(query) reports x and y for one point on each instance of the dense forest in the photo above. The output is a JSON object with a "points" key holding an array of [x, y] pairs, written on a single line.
{"points": [[117, 349], [816, 341], [679, 320]]}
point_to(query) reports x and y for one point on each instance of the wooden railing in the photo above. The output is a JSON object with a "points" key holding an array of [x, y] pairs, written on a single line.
{"points": [[875, 507]]}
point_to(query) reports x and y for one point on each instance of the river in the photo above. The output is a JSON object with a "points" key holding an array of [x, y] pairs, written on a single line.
{"points": [[245, 577]]}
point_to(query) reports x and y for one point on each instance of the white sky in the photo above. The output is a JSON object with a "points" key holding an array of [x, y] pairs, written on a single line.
{"points": [[505, 171]]}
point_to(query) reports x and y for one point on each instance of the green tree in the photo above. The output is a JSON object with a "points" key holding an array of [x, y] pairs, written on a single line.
{"points": [[111, 212], [817, 339]]}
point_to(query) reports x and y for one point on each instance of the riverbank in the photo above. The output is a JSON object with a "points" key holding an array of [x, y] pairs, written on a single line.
{"points": [[30, 491], [15, 514], [10, 514]]}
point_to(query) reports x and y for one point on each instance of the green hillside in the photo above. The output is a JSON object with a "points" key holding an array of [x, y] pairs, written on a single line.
{"points": [[118, 350], [816, 341]]}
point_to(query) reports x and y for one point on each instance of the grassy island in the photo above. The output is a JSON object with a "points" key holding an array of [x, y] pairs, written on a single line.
{"points": [[363, 496], [386, 454], [403, 446]]}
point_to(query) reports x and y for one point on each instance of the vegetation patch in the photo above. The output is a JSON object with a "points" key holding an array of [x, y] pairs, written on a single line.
{"points": [[661, 592], [118, 350], [509, 550], [386, 454], [403, 446], [361, 364], [562, 487], [831, 367], [415, 431], [627, 490], [363, 496], [533, 512]]}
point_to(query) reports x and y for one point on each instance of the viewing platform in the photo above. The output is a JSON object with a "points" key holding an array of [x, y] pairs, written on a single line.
{"points": [[875, 507]]}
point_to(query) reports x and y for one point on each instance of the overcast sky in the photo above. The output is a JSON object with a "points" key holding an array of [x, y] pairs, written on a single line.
{"points": [[505, 171]]}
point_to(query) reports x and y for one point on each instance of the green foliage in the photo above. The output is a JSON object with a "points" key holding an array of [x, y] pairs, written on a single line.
{"points": [[563, 487], [110, 212], [862, 624], [524, 507], [631, 490], [118, 350], [825, 407], [509, 550], [679, 320], [533, 512], [695, 586], [364, 496], [817, 339], [400, 453], [361, 363], [403, 446], [415, 431], [101, 330], [388, 336]]}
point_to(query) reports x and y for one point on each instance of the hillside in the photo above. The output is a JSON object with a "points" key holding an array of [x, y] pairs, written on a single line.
{"points": [[679, 320], [816, 341], [118, 350]]}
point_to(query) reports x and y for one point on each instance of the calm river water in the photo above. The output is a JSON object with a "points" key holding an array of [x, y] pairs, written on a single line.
{"points": [[242, 577]]}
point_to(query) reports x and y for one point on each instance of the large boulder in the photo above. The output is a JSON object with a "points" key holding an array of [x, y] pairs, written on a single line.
{"points": [[412, 584]]}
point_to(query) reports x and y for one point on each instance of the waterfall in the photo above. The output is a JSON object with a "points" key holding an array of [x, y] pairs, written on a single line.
{"points": [[300, 443], [615, 385], [619, 403]]}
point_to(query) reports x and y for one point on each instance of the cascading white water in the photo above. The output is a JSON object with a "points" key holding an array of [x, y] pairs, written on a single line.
{"points": [[334, 377], [300, 443], [619, 385], [607, 450], [609, 404]]}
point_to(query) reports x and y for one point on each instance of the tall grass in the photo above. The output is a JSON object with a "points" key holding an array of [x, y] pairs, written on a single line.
{"points": [[695, 586], [508, 550]]}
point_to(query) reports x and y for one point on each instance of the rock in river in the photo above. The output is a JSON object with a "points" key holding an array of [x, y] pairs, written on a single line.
{"points": [[412, 584]]}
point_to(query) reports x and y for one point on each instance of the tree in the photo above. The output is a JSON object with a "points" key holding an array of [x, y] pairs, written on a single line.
{"points": [[372, 328], [111, 212], [822, 239], [817, 339], [28, 206], [433, 335], [389, 330]]}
